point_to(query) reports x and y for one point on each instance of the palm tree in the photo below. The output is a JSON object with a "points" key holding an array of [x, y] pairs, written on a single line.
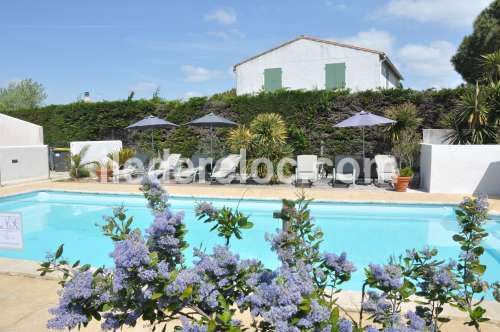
{"points": [[240, 138], [406, 118], [475, 122], [490, 64], [78, 169]]}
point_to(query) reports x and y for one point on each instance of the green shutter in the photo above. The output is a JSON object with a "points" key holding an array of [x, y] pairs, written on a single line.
{"points": [[334, 76], [272, 79]]}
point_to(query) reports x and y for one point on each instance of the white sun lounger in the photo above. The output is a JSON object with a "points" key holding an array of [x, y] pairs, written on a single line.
{"points": [[345, 170], [387, 168], [307, 169], [126, 173], [198, 163], [167, 167], [226, 167]]}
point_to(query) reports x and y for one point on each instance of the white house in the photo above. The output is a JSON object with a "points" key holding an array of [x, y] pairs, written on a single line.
{"points": [[310, 63]]}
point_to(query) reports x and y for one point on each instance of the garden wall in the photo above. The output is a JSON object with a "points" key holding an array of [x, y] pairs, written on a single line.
{"points": [[310, 117], [464, 169], [23, 163]]}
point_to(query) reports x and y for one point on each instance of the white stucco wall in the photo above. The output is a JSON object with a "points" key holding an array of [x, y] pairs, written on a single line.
{"points": [[388, 78], [464, 169], [18, 132], [436, 136], [303, 67], [98, 150], [23, 163]]}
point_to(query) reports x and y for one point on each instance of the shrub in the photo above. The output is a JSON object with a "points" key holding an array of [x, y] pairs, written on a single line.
{"points": [[78, 168], [313, 112], [407, 171], [266, 138]]}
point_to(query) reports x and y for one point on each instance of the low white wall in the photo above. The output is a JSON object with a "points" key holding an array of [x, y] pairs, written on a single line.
{"points": [[98, 150], [436, 136], [23, 163], [465, 169], [14, 132]]}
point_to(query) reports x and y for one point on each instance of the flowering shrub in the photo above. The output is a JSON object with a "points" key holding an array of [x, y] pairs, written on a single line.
{"points": [[150, 281]]}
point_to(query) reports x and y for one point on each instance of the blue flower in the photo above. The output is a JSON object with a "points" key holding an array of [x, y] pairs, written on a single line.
{"points": [[131, 253], [339, 264], [415, 322], [389, 276], [345, 325], [69, 313]]}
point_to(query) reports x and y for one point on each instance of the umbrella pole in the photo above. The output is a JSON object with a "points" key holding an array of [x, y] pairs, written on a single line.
{"points": [[211, 148], [363, 131], [152, 142]]}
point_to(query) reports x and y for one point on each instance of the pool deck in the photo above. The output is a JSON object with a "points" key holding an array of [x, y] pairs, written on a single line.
{"points": [[25, 297]]}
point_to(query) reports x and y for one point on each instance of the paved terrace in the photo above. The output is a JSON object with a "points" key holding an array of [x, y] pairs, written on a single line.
{"points": [[25, 297]]}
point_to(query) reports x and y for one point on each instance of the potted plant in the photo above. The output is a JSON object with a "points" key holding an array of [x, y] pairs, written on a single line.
{"points": [[104, 171], [403, 179]]}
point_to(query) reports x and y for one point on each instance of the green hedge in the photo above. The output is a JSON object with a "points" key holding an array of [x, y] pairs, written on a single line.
{"points": [[309, 115]]}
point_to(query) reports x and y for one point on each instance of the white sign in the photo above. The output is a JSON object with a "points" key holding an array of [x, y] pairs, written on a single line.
{"points": [[11, 231]]}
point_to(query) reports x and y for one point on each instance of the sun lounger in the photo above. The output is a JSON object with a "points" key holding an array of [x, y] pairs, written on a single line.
{"points": [[226, 167], [188, 174], [387, 168], [307, 169], [345, 170], [126, 173], [167, 167]]}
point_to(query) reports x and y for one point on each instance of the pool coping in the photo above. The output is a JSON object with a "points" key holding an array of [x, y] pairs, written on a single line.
{"points": [[494, 213]]}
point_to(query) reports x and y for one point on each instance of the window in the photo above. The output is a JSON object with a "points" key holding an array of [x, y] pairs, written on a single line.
{"points": [[334, 76], [272, 79]]}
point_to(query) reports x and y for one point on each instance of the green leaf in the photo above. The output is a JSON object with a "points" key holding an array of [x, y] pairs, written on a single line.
{"points": [[478, 268], [59, 251], [247, 225], [187, 293]]}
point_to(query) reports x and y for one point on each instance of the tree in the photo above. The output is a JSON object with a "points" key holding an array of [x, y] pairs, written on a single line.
{"points": [[484, 39], [26, 94]]}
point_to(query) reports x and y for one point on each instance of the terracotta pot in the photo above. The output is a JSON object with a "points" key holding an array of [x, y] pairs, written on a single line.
{"points": [[104, 174], [402, 183]]}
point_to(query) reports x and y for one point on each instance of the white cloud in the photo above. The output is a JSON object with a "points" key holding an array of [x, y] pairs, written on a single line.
{"points": [[375, 39], [144, 86], [199, 74], [222, 16], [429, 65], [451, 12]]}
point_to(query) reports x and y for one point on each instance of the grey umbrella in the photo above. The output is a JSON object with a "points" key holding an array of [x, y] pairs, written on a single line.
{"points": [[364, 119], [152, 122], [212, 121]]}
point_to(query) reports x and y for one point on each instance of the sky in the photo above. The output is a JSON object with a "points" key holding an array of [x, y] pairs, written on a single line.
{"points": [[187, 48]]}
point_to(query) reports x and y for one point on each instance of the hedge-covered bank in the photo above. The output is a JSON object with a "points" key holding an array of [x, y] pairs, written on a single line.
{"points": [[310, 117]]}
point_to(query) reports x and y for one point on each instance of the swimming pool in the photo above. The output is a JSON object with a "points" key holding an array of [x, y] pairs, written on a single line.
{"points": [[369, 233]]}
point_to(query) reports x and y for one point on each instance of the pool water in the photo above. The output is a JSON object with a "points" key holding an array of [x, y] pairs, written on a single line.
{"points": [[369, 233]]}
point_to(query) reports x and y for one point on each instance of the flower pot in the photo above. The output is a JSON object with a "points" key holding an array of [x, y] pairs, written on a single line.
{"points": [[402, 183], [104, 175]]}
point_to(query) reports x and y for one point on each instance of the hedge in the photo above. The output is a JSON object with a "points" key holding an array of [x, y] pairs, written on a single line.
{"points": [[310, 116]]}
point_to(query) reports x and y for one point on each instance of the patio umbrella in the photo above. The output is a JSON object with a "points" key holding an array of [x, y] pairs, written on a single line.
{"points": [[364, 119], [212, 121], [152, 122]]}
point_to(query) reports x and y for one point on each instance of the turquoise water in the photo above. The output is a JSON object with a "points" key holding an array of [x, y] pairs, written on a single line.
{"points": [[369, 233]]}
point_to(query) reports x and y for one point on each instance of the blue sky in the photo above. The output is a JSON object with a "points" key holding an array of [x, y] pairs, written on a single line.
{"points": [[187, 48]]}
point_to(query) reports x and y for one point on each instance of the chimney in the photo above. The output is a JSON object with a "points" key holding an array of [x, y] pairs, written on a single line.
{"points": [[86, 97]]}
